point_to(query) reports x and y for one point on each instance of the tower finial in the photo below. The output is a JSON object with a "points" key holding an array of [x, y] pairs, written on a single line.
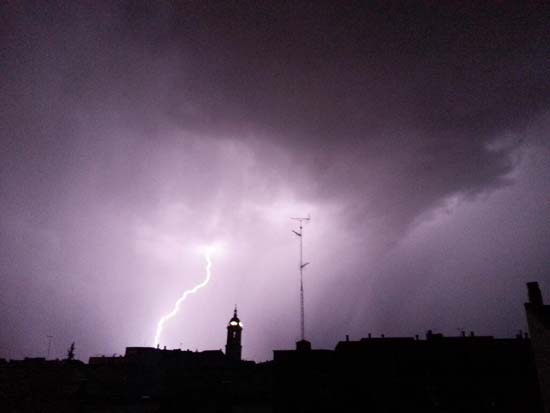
{"points": [[235, 311]]}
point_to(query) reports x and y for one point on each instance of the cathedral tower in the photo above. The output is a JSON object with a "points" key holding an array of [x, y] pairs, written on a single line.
{"points": [[233, 348]]}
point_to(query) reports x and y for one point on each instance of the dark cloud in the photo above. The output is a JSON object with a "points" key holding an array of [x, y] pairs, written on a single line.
{"points": [[131, 129]]}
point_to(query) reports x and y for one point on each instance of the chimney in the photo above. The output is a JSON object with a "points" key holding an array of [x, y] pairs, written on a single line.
{"points": [[347, 337], [535, 296], [303, 345]]}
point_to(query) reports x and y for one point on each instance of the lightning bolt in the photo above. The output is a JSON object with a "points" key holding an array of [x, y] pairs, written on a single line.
{"points": [[160, 325]]}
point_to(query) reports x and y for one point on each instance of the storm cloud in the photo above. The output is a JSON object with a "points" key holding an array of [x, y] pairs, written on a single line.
{"points": [[415, 134]]}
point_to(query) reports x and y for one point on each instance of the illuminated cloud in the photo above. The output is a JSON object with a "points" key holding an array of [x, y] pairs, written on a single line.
{"points": [[415, 136]]}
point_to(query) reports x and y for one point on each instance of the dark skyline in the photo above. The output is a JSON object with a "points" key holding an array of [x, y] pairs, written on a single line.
{"points": [[415, 135]]}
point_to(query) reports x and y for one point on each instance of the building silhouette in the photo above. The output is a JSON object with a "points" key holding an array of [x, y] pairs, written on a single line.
{"points": [[468, 373], [433, 373], [538, 320]]}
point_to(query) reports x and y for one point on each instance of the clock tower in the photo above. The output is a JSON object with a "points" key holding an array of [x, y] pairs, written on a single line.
{"points": [[233, 348]]}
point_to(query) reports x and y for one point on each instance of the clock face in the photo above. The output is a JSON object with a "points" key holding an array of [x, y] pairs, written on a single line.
{"points": [[233, 323]]}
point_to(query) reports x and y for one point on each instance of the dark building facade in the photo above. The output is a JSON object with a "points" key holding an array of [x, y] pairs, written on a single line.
{"points": [[402, 374], [538, 320]]}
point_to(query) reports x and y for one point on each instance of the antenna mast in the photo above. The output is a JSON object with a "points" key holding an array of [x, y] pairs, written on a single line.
{"points": [[300, 234]]}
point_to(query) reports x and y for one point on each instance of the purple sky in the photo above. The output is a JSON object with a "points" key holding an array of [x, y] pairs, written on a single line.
{"points": [[416, 136]]}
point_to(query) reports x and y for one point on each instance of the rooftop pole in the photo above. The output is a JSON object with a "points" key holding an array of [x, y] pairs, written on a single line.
{"points": [[300, 234]]}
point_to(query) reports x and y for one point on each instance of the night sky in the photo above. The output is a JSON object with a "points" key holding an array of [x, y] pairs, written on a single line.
{"points": [[416, 135]]}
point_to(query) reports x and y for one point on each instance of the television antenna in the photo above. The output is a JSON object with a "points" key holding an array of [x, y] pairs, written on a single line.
{"points": [[300, 234]]}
